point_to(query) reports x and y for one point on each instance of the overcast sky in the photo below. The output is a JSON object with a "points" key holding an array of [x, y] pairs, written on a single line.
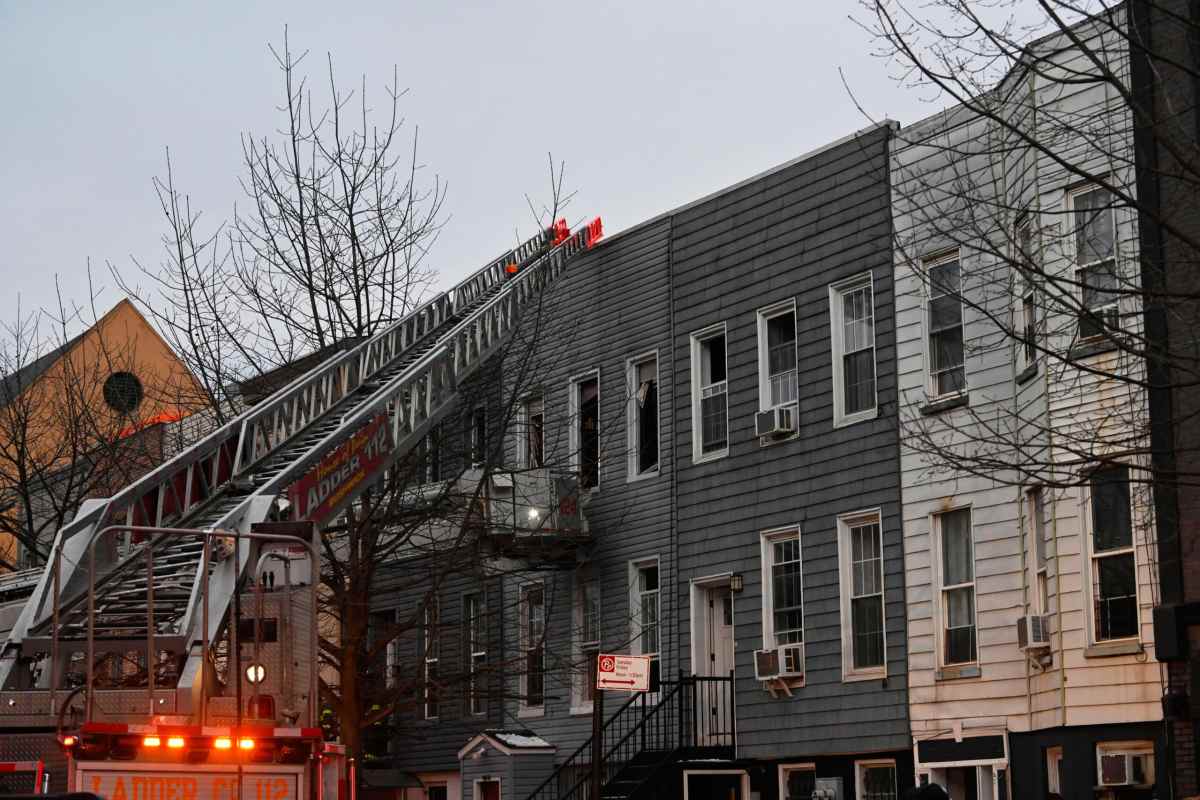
{"points": [[649, 104]]}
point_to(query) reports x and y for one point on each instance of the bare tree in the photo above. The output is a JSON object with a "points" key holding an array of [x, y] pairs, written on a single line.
{"points": [[1062, 92]]}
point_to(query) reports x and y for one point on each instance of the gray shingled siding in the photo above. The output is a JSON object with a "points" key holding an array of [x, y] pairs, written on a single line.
{"points": [[790, 235]]}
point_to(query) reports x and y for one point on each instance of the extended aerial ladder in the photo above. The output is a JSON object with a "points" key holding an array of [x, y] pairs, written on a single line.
{"points": [[402, 379]]}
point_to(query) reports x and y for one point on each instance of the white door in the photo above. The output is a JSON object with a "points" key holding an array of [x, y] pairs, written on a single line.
{"points": [[714, 698]]}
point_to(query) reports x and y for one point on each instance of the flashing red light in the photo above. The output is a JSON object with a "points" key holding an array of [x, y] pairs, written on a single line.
{"points": [[511, 269], [69, 741], [245, 744], [175, 742], [223, 743], [151, 741]]}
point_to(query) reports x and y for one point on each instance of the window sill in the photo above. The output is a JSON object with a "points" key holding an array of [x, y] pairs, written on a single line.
{"points": [[523, 713], [864, 675], [957, 672], [946, 403], [707, 457], [771, 441], [1027, 374], [580, 711], [1090, 348], [1110, 649], [855, 418], [638, 477]]}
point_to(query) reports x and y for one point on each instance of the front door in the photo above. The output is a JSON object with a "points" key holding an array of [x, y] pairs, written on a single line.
{"points": [[714, 697]]}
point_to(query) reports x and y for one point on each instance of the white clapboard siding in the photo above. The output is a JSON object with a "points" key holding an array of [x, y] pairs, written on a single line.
{"points": [[931, 212]]}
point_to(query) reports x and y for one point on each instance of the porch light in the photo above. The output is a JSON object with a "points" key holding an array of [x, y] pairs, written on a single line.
{"points": [[736, 583], [534, 514]]}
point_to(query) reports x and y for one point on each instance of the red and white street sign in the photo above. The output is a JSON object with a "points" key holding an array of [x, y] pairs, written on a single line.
{"points": [[623, 673]]}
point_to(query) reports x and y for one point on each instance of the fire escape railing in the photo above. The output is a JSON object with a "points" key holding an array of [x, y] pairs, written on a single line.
{"points": [[693, 715]]}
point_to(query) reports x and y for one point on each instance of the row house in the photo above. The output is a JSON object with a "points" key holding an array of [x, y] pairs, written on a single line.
{"points": [[721, 381], [1029, 531]]}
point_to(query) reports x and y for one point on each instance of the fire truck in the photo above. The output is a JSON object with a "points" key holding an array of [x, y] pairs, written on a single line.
{"points": [[169, 649]]}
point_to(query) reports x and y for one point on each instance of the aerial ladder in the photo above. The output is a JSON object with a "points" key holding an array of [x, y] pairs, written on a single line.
{"points": [[176, 587]]}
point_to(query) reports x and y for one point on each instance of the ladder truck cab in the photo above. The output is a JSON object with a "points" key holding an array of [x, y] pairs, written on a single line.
{"points": [[252, 734], [169, 649]]}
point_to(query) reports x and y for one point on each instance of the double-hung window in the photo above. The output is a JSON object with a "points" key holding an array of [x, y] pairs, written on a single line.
{"points": [[1026, 292], [1035, 530], [587, 637], [585, 429], [860, 551], [533, 643], [783, 588], [642, 377], [797, 781], [957, 562], [947, 362], [475, 645], [710, 408], [852, 320], [875, 780], [1113, 565], [532, 432], [432, 647], [1095, 261], [646, 613], [777, 356]]}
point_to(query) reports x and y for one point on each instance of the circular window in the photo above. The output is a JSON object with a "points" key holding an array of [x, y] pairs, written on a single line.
{"points": [[123, 392]]}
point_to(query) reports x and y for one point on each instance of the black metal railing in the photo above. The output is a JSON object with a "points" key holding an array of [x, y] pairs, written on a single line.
{"points": [[691, 716]]}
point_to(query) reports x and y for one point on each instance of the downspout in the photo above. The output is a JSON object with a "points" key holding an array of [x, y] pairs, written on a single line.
{"points": [[673, 546]]}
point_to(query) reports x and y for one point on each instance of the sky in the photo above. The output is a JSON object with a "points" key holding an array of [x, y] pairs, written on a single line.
{"points": [[649, 105]]}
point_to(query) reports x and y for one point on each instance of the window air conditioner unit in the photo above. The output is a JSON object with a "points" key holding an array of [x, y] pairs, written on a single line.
{"points": [[785, 661], [778, 421], [1033, 632]]}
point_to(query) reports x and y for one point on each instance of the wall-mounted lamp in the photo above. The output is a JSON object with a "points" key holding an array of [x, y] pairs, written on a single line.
{"points": [[736, 583]]}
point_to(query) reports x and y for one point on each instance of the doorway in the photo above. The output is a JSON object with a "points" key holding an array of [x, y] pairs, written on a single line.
{"points": [[713, 652], [714, 785]]}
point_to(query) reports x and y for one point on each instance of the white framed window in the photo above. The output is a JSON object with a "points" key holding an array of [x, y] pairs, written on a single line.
{"points": [[388, 622], [875, 780], [645, 606], [783, 588], [587, 642], [433, 650], [641, 376], [531, 433], [797, 781], [1025, 318], [1035, 532], [956, 588], [475, 647], [860, 558], [852, 332], [1054, 757], [944, 323], [1112, 560], [1093, 221], [710, 387], [777, 384], [584, 413], [1125, 763], [477, 436], [533, 646]]}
